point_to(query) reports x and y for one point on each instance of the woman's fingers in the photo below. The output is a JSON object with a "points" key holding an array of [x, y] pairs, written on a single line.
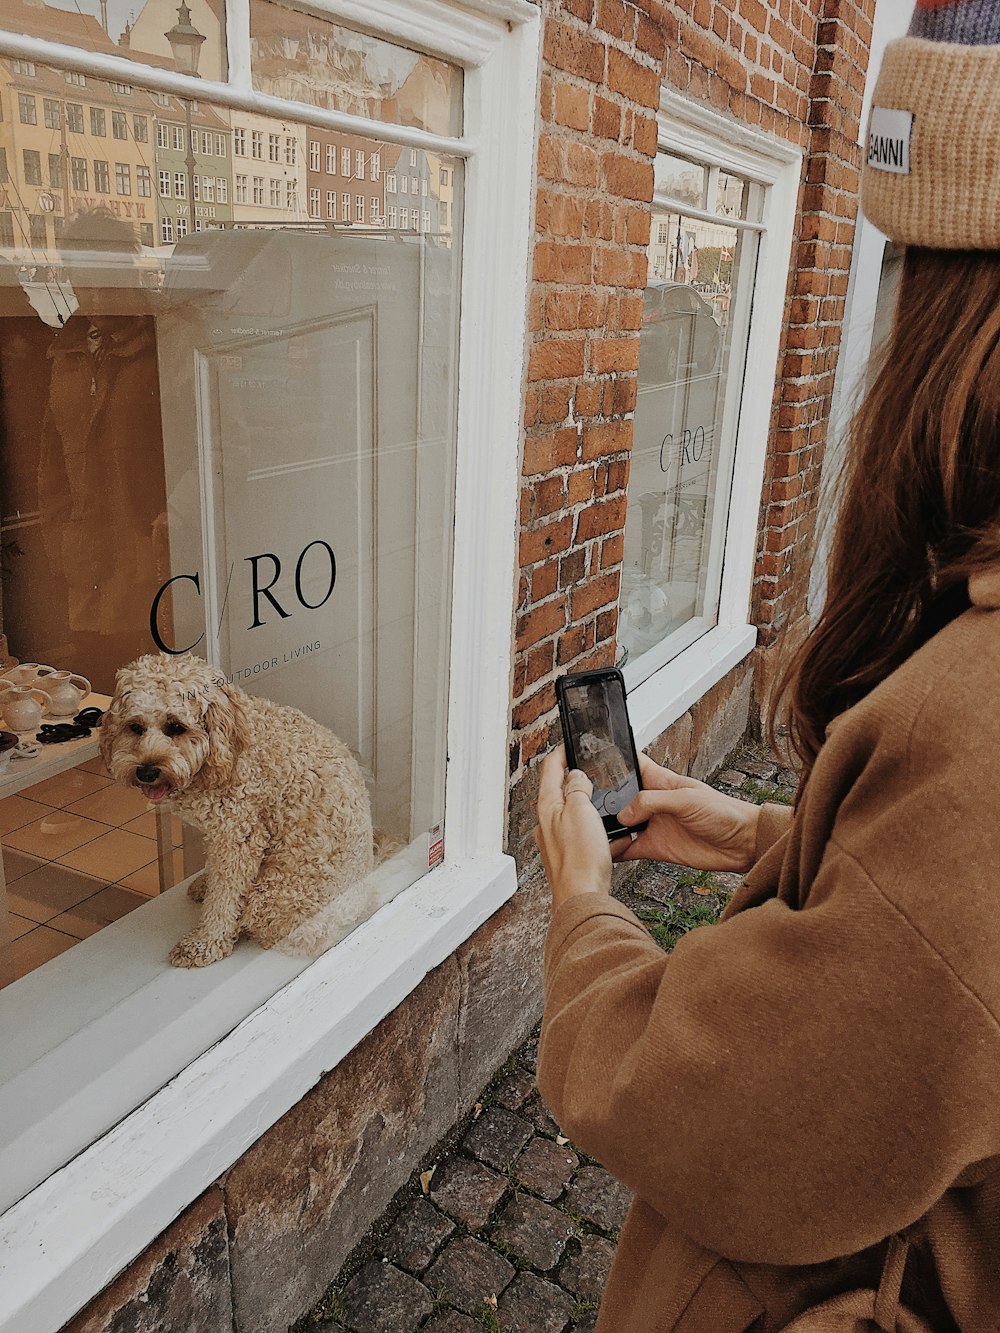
{"points": [[550, 782], [577, 784], [651, 802], [657, 778]]}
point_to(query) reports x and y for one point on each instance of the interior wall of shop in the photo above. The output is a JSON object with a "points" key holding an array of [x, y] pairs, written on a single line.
{"points": [[261, 1244]]}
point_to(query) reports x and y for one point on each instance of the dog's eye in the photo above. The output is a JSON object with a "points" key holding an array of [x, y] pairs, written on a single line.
{"points": [[136, 728], [174, 729]]}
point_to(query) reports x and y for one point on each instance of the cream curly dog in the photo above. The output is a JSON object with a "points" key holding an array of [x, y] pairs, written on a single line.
{"points": [[280, 800]]}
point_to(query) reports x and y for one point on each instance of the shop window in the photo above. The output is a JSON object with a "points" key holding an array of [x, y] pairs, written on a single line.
{"points": [[710, 322], [187, 489], [693, 340]]}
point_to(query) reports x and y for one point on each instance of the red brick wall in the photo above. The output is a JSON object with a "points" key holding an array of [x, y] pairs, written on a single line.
{"points": [[786, 68]]}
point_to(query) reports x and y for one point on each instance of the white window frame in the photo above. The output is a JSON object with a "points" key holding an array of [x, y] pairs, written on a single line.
{"points": [[70, 1234], [695, 130]]}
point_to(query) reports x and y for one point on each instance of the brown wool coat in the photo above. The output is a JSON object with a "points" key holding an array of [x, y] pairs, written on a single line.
{"points": [[821, 1068]]}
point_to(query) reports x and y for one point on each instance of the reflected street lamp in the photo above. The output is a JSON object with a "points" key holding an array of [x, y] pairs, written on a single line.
{"points": [[185, 44]]}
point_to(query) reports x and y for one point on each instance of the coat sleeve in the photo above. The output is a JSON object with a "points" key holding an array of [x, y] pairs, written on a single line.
{"points": [[777, 1087], [773, 823]]}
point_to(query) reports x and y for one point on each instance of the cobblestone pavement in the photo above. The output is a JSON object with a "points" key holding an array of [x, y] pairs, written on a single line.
{"points": [[508, 1226]]}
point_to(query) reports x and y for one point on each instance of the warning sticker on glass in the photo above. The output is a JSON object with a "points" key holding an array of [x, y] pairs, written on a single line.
{"points": [[435, 849]]}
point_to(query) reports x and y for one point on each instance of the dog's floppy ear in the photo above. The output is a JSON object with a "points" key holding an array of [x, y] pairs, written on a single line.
{"points": [[225, 721], [111, 722]]}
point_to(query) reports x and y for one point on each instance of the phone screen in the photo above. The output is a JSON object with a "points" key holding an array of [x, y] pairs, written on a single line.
{"points": [[602, 742]]}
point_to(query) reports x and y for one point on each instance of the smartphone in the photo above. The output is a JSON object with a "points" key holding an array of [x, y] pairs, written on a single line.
{"points": [[599, 741]]}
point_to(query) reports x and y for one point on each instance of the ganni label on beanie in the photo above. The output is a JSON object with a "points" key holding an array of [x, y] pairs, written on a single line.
{"points": [[889, 140]]}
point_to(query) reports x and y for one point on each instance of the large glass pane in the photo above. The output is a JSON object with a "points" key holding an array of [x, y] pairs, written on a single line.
{"points": [[692, 346], [137, 31], [227, 423], [309, 59]]}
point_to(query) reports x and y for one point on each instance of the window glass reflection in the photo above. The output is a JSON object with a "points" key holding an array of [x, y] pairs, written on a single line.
{"points": [[307, 59], [681, 179]]}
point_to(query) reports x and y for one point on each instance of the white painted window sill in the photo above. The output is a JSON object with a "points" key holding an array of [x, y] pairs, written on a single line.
{"points": [[667, 695], [66, 1238]]}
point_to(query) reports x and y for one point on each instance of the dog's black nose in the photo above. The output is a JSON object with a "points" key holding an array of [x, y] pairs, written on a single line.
{"points": [[147, 773]]}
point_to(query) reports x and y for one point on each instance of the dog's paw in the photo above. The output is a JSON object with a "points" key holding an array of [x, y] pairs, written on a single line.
{"points": [[197, 888], [196, 950]]}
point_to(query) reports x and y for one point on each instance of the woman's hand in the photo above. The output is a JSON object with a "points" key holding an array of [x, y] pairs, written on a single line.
{"points": [[690, 823], [570, 834]]}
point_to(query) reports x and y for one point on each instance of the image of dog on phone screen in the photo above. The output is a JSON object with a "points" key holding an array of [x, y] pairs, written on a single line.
{"points": [[602, 745]]}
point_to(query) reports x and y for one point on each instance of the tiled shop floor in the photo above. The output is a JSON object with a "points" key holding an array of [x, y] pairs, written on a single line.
{"points": [[79, 852]]}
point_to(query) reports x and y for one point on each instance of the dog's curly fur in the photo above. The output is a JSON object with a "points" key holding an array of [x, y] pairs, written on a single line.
{"points": [[281, 803]]}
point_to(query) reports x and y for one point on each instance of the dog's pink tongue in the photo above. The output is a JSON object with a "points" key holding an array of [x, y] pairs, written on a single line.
{"points": [[158, 792]]}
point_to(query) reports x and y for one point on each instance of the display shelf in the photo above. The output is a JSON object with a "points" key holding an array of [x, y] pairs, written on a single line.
{"points": [[52, 759]]}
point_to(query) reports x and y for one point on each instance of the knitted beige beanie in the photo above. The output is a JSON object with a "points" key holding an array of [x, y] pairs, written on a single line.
{"points": [[932, 170]]}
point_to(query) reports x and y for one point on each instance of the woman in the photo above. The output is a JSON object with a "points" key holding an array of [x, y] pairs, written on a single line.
{"points": [[803, 1097]]}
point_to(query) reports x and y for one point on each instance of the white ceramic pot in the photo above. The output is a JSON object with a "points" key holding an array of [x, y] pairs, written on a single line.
{"points": [[28, 673], [66, 692], [23, 707]]}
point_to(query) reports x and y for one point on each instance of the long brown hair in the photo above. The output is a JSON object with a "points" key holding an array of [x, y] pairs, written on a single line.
{"points": [[919, 496]]}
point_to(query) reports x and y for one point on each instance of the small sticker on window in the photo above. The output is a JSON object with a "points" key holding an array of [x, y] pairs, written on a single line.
{"points": [[435, 850], [889, 140]]}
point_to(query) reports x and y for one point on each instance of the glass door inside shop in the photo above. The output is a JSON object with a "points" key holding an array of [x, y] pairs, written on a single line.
{"points": [[227, 426]]}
